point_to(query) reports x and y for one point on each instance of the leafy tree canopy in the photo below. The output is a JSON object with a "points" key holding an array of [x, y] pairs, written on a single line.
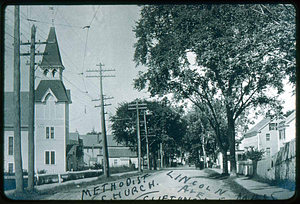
{"points": [[164, 123], [241, 51]]}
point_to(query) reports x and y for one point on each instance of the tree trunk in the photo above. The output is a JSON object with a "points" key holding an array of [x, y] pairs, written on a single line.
{"points": [[254, 162], [204, 155], [231, 136], [225, 162]]}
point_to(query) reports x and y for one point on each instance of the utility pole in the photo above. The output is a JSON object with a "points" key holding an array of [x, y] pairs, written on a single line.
{"points": [[105, 149], [147, 142], [31, 112], [138, 107], [31, 107], [17, 115]]}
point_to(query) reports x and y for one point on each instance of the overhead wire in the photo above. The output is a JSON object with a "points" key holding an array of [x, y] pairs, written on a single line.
{"points": [[86, 42], [61, 49], [66, 41]]}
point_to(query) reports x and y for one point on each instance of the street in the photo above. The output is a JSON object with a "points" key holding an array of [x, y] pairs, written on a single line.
{"points": [[181, 183]]}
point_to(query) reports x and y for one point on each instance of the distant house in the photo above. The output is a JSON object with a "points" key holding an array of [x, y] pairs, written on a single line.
{"points": [[92, 150], [75, 153], [119, 154]]}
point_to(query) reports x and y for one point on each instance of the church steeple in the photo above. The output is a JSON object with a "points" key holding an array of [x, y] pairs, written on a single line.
{"points": [[51, 62]]}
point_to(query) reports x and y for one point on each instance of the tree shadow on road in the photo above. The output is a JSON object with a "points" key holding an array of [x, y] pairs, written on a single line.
{"points": [[213, 175]]}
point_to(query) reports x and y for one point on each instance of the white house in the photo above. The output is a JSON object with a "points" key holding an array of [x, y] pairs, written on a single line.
{"points": [[52, 101], [287, 129], [119, 154], [271, 135]]}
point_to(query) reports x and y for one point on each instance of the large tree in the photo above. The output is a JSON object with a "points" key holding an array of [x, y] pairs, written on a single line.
{"points": [[241, 53]]}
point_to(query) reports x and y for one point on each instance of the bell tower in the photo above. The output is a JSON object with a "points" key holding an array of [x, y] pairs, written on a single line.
{"points": [[51, 64]]}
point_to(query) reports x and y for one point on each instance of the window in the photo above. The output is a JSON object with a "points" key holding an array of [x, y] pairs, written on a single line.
{"points": [[115, 161], [273, 126], [282, 134], [10, 167], [49, 157], [268, 151], [268, 137], [48, 133], [10, 146], [52, 157], [52, 132]]}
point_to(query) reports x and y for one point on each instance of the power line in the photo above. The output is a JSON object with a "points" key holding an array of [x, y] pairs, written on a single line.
{"points": [[66, 41], [70, 27], [57, 24], [42, 30], [94, 16]]}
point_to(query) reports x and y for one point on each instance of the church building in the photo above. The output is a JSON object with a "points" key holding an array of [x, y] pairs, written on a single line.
{"points": [[52, 102]]}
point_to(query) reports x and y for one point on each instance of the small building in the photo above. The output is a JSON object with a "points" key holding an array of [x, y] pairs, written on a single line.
{"points": [[92, 150], [75, 152], [119, 154]]}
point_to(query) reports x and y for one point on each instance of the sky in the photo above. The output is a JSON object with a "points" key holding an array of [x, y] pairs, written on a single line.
{"points": [[109, 41]]}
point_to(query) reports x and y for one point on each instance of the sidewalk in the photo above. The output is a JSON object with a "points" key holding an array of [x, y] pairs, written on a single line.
{"points": [[78, 182], [260, 188]]}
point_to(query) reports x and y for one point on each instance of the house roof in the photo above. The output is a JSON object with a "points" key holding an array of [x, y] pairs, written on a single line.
{"points": [[111, 142], [123, 152], [57, 87], [290, 117], [73, 136], [9, 109], [90, 141], [254, 130], [52, 59]]}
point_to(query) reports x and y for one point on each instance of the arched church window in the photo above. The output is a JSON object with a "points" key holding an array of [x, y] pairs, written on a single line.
{"points": [[53, 72], [46, 72]]}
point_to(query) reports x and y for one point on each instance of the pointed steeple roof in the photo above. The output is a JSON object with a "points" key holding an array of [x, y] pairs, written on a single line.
{"points": [[53, 58]]}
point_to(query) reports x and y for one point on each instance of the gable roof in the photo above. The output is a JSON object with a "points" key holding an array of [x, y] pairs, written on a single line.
{"points": [[52, 59], [124, 152], [57, 87], [90, 141], [254, 130], [9, 109], [111, 142], [291, 117], [73, 135]]}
